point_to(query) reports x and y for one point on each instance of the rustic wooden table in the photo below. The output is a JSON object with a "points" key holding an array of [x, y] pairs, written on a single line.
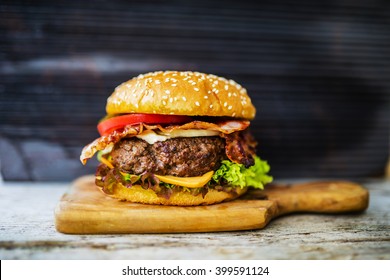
{"points": [[27, 232]]}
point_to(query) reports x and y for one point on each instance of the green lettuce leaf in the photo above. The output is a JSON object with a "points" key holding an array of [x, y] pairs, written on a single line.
{"points": [[238, 175]]}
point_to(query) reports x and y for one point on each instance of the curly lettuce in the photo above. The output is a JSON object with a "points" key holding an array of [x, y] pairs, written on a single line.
{"points": [[237, 174]]}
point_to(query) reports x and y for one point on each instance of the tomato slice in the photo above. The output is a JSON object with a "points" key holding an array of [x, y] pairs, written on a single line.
{"points": [[107, 126]]}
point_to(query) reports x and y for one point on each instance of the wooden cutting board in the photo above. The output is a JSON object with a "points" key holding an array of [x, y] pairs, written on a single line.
{"points": [[86, 210]]}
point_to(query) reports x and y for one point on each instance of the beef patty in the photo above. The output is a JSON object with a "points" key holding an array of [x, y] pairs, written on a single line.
{"points": [[184, 157]]}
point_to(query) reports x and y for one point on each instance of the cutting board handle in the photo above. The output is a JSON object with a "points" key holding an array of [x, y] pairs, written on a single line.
{"points": [[318, 197]]}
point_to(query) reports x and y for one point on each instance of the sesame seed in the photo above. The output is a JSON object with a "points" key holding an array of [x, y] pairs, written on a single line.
{"points": [[167, 91], [167, 80], [174, 85], [175, 98], [229, 94], [184, 98], [230, 107], [136, 105], [234, 94], [226, 87], [171, 99], [196, 89], [205, 97], [232, 82], [157, 82], [165, 103], [197, 103], [225, 104], [174, 74], [234, 114], [211, 106], [165, 97], [216, 91]]}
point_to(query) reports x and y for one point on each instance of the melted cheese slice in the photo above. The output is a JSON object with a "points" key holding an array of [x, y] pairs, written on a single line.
{"points": [[189, 182], [106, 162], [152, 137]]}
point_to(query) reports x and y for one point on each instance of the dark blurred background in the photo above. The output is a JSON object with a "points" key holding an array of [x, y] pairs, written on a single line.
{"points": [[317, 71]]}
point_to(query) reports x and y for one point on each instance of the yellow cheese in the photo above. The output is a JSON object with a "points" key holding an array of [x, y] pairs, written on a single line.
{"points": [[106, 162], [189, 182]]}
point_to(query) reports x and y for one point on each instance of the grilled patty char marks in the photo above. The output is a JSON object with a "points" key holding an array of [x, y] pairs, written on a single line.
{"points": [[183, 157]]}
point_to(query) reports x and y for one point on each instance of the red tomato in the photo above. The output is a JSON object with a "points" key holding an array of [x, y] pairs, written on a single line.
{"points": [[107, 126]]}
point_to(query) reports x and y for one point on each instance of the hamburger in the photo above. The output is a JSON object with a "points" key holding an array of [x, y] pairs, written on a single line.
{"points": [[177, 138]]}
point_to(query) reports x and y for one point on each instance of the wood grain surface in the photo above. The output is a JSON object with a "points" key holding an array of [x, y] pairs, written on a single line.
{"points": [[27, 231], [85, 210]]}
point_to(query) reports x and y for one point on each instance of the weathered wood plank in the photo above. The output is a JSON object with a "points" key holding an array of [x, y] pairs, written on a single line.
{"points": [[27, 232]]}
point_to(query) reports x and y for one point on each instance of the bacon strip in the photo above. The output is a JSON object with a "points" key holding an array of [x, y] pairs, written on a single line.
{"points": [[241, 147], [108, 141]]}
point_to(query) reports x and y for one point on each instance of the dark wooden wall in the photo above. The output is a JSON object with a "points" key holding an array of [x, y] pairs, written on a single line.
{"points": [[318, 72]]}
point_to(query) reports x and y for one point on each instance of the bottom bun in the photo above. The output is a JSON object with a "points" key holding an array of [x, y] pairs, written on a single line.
{"points": [[139, 195]]}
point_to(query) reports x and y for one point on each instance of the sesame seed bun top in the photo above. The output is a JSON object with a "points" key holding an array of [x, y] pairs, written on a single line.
{"points": [[181, 93]]}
